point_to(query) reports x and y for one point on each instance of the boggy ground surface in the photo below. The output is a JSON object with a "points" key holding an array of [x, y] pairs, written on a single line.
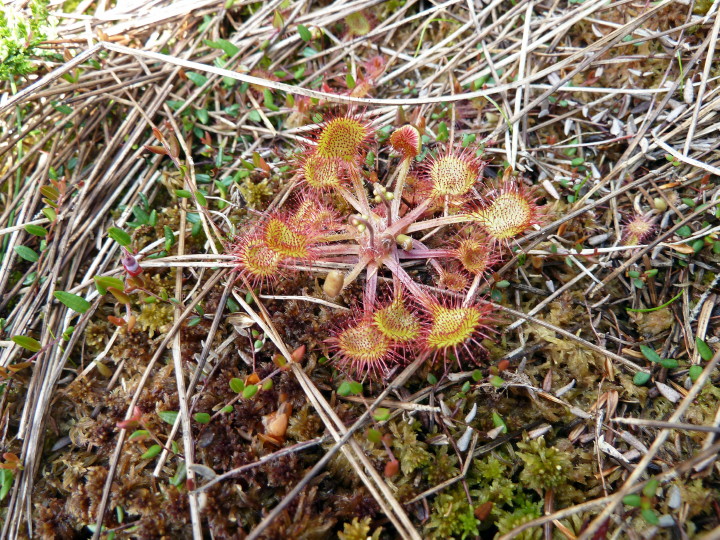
{"points": [[170, 410]]}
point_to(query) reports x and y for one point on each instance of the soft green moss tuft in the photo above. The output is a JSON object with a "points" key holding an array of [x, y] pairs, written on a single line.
{"points": [[255, 194], [452, 516], [359, 530], [443, 466], [520, 515], [544, 467], [411, 452], [155, 317]]}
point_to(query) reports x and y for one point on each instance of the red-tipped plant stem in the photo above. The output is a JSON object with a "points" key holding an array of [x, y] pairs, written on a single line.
{"points": [[437, 222], [426, 253], [421, 251], [472, 290], [399, 186], [360, 192], [336, 249], [413, 288], [370, 287], [355, 272], [352, 201], [404, 222]]}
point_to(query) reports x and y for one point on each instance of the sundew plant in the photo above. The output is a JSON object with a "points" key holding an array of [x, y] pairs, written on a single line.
{"points": [[342, 217]]}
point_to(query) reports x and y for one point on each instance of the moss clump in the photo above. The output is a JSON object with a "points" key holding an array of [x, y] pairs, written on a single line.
{"points": [[452, 516], [359, 530], [443, 466], [696, 496], [520, 515], [411, 452], [304, 424], [155, 318], [492, 482], [545, 468], [255, 194], [96, 334]]}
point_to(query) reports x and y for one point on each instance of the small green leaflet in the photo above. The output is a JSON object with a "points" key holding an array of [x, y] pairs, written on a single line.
{"points": [[26, 342], [36, 230], [73, 301], [237, 385], [26, 253], [650, 354], [706, 353], [305, 34], [228, 48], [168, 416], [196, 78], [103, 282], [202, 418], [6, 481], [120, 236], [153, 451]]}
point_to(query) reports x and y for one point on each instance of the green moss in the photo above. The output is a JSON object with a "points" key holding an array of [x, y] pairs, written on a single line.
{"points": [[155, 318], [411, 453], [703, 410], [255, 194], [520, 515], [500, 491], [544, 467], [359, 530], [701, 7], [96, 334], [696, 496], [20, 37], [452, 516], [443, 466], [491, 468], [492, 482]]}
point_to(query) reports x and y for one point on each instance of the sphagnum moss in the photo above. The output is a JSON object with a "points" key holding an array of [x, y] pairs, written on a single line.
{"points": [[545, 467]]}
